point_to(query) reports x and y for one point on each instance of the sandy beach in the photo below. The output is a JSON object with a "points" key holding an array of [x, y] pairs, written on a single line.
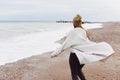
{"points": [[43, 67]]}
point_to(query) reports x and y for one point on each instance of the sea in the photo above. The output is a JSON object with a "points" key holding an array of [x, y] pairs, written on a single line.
{"points": [[20, 40]]}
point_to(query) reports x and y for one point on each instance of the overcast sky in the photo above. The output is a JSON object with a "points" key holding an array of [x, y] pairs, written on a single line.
{"points": [[52, 10]]}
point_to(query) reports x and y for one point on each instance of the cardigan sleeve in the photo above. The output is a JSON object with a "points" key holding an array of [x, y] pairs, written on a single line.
{"points": [[68, 42], [61, 40]]}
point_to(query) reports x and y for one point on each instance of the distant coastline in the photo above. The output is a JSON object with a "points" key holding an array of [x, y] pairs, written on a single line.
{"points": [[62, 21]]}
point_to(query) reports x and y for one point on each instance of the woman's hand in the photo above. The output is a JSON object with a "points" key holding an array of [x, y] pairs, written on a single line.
{"points": [[52, 56], [56, 52]]}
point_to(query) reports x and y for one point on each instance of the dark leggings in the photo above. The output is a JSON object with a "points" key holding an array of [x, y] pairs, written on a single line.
{"points": [[76, 67]]}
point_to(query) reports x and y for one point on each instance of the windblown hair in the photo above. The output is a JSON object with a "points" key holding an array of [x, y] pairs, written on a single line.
{"points": [[77, 22]]}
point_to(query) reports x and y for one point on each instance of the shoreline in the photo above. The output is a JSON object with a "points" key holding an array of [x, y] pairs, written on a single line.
{"points": [[42, 67], [31, 44]]}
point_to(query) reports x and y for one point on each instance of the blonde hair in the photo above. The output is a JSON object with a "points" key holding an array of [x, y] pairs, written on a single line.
{"points": [[77, 22]]}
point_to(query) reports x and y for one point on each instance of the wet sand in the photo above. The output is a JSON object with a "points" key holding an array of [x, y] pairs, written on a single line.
{"points": [[43, 67]]}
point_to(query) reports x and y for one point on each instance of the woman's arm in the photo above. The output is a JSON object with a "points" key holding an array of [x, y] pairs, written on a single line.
{"points": [[58, 50], [65, 44]]}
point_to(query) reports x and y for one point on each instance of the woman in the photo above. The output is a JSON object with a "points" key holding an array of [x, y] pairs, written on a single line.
{"points": [[82, 50]]}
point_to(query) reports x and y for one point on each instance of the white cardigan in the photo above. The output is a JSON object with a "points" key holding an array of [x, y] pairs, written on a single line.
{"points": [[86, 50]]}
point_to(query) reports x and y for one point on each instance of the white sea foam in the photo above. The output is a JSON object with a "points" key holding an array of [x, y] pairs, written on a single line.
{"points": [[22, 46]]}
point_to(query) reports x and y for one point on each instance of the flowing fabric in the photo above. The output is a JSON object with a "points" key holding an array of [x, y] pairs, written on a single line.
{"points": [[87, 51]]}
